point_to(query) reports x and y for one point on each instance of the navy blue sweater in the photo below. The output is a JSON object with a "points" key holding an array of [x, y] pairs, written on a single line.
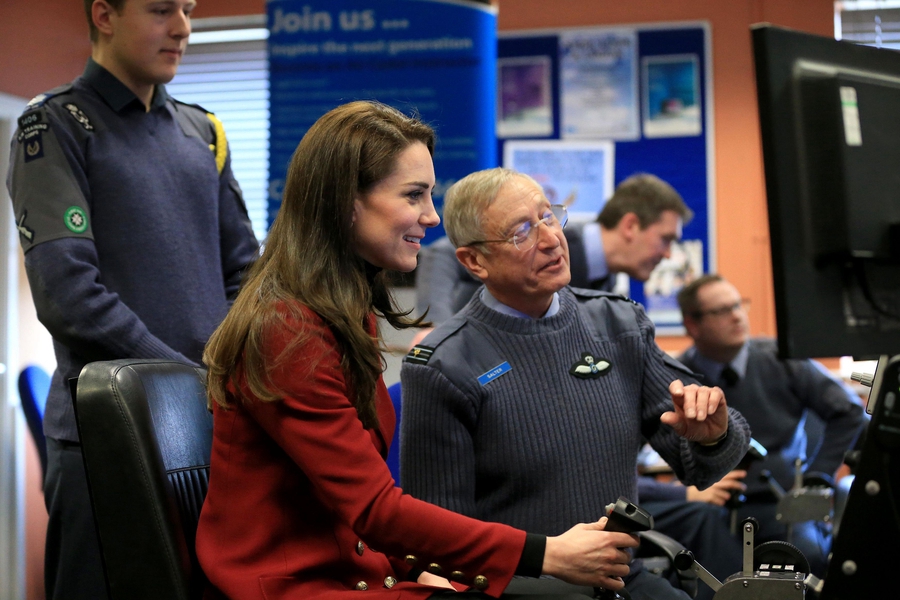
{"points": [[540, 447], [134, 237]]}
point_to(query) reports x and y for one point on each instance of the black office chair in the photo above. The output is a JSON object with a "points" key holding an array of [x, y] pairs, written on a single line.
{"points": [[146, 436]]}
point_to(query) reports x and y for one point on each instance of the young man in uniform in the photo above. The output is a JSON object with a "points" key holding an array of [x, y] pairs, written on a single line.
{"points": [[135, 236]]}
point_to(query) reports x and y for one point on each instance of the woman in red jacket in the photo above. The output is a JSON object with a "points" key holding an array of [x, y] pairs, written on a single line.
{"points": [[301, 504]]}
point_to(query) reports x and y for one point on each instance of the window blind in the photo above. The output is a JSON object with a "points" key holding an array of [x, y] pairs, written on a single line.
{"points": [[873, 23], [226, 71]]}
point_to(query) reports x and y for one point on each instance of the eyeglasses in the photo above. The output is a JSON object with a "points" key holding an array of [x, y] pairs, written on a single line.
{"points": [[525, 235], [723, 311]]}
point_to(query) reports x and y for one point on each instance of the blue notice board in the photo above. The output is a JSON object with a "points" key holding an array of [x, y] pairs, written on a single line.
{"points": [[669, 133]]}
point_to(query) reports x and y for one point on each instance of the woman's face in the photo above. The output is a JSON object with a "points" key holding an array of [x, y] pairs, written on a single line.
{"points": [[389, 221]]}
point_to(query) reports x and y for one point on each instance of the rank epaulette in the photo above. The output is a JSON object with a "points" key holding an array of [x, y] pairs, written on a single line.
{"points": [[419, 355]]}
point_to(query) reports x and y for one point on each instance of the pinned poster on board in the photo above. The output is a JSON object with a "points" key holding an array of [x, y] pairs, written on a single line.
{"points": [[598, 77], [434, 58], [671, 95], [683, 265], [577, 174], [647, 90], [524, 97]]}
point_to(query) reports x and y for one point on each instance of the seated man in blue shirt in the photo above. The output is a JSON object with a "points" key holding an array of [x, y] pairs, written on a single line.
{"points": [[776, 397], [528, 406]]}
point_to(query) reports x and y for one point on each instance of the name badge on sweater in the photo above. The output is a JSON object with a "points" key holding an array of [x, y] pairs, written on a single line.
{"points": [[494, 373]]}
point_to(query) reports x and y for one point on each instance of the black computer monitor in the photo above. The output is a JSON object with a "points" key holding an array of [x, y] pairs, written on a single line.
{"points": [[830, 122]]}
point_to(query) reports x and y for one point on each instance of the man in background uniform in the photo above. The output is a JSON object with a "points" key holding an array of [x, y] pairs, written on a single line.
{"points": [[135, 236], [776, 397]]}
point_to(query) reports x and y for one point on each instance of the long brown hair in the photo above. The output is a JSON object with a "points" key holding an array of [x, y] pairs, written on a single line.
{"points": [[308, 259]]}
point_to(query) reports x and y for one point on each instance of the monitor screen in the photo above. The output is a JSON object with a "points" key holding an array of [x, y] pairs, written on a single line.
{"points": [[830, 123]]}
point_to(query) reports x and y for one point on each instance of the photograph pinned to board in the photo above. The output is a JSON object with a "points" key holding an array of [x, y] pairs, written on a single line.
{"points": [[598, 84], [671, 96], [578, 174], [683, 265], [524, 97]]}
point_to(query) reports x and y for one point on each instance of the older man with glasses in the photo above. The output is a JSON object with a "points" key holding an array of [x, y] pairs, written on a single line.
{"points": [[776, 397], [632, 234], [528, 406]]}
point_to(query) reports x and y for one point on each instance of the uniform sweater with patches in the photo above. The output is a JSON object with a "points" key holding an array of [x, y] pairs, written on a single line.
{"points": [[538, 447], [149, 275]]}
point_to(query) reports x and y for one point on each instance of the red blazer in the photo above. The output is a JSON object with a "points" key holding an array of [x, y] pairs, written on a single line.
{"points": [[299, 490]]}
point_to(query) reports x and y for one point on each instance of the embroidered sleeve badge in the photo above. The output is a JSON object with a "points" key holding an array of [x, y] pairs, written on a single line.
{"points": [[76, 219], [32, 125], [25, 232], [34, 148]]}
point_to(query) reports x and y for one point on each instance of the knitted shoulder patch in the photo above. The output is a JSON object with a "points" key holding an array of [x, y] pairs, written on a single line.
{"points": [[419, 355]]}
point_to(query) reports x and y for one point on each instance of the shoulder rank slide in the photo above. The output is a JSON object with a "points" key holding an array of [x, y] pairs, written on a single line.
{"points": [[419, 355]]}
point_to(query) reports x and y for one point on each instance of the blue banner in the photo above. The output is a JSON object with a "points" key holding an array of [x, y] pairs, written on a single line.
{"points": [[436, 58]]}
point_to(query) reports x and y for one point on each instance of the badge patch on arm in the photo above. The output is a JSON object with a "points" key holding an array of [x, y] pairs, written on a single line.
{"points": [[34, 148], [32, 126], [76, 219], [48, 202], [25, 231]]}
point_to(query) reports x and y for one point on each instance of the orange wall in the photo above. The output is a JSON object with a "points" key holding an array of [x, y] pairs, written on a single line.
{"points": [[44, 43]]}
